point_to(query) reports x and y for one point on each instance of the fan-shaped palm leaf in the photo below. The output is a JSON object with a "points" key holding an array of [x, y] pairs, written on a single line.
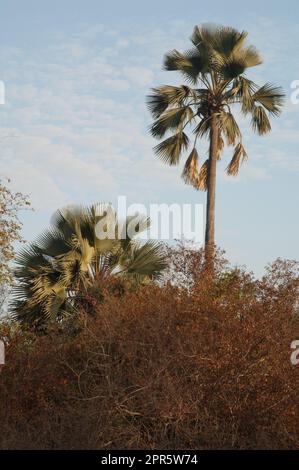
{"points": [[67, 259], [239, 156], [190, 171], [190, 64], [166, 95], [173, 118], [270, 97], [171, 149], [260, 121], [229, 127], [203, 176]]}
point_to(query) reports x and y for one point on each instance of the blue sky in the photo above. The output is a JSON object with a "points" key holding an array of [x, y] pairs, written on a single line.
{"points": [[74, 126]]}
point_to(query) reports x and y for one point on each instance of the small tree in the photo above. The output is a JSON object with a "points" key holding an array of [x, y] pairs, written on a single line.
{"points": [[57, 271], [10, 226]]}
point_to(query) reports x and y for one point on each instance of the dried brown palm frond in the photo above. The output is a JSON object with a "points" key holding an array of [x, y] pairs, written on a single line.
{"points": [[260, 121], [190, 172], [229, 127], [220, 146], [239, 156], [202, 182]]}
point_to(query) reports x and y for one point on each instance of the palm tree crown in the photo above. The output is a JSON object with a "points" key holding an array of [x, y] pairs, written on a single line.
{"points": [[67, 259], [214, 70]]}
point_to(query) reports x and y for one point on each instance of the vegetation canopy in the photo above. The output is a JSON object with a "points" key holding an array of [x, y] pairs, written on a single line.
{"points": [[204, 364]]}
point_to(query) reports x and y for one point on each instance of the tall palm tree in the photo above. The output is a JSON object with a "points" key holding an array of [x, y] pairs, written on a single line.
{"points": [[56, 271], [214, 70]]}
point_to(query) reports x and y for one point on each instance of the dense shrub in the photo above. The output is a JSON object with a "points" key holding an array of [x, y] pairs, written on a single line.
{"points": [[207, 366]]}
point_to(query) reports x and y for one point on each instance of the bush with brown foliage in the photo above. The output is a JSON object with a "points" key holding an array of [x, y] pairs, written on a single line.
{"points": [[206, 366]]}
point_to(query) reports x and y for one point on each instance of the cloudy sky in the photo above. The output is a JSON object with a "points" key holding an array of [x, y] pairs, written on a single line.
{"points": [[74, 127]]}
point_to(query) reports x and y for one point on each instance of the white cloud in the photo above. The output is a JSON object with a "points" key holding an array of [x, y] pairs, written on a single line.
{"points": [[43, 191], [116, 84], [140, 76]]}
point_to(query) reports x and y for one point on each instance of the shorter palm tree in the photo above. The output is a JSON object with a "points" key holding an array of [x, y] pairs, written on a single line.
{"points": [[54, 273]]}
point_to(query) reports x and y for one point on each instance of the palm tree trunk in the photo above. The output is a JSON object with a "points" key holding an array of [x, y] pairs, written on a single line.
{"points": [[211, 194]]}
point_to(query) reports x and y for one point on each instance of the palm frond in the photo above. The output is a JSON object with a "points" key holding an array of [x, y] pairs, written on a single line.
{"points": [[238, 157], [170, 150], [227, 40], [271, 97], [173, 118], [230, 68], [229, 127], [30, 259], [234, 65], [62, 221], [260, 121], [197, 37], [202, 183], [251, 57], [220, 146], [157, 102], [164, 96], [148, 259], [242, 91], [190, 171], [200, 60], [36, 294], [190, 64], [223, 39], [202, 129], [53, 242]]}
